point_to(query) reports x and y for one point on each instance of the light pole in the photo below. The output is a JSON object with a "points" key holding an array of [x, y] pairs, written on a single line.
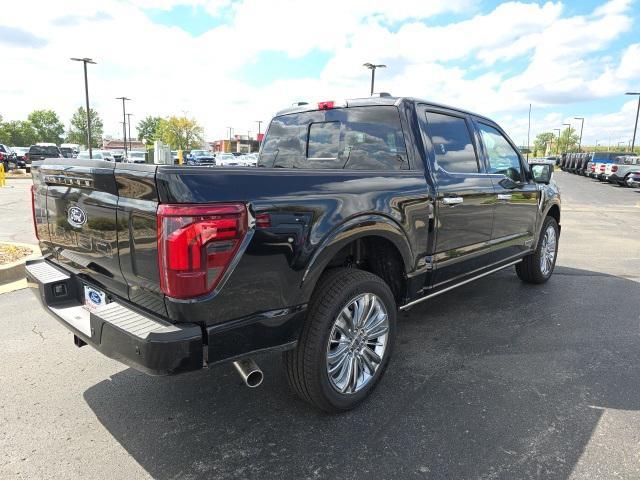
{"points": [[529, 133], [373, 67], [124, 124], [86, 60], [568, 136], [581, 127], [129, 127], [635, 129], [259, 122], [558, 142]]}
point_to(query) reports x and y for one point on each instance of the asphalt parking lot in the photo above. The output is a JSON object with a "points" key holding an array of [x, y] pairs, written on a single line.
{"points": [[496, 379]]}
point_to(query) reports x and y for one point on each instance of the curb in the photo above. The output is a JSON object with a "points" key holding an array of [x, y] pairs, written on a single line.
{"points": [[14, 271]]}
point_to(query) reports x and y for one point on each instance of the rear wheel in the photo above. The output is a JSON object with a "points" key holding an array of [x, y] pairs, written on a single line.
{"points": [[346, 342], [538, 266]]}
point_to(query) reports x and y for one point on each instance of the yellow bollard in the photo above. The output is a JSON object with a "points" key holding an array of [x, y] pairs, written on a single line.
{"points": [[2, 178], [180, 157]]}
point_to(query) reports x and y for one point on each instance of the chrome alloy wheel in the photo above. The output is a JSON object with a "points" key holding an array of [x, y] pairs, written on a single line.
{"points": [[548, 251], [357, 343]]}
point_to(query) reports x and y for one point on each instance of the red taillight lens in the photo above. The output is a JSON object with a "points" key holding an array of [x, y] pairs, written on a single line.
{"points": [[33, 210], [325, 105], [602, 168], [1, 156], [614, 168], [263, 220], [196, 244]]}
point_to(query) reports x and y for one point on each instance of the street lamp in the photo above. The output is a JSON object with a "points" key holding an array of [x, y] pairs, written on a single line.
{"points": [[124, 124], [635, 129], [373, 67], [568, 135], [129, 126], [581, 127], [558, 142], [86, 60]]}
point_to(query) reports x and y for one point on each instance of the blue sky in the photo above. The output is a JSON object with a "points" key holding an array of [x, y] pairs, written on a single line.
{"points": [[231, 62]]}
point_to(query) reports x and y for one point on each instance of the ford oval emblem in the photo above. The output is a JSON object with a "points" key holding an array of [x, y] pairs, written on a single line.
{"points": [[76, 217], [94, 297]]}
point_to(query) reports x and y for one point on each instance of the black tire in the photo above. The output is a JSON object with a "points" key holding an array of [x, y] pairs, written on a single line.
{"points": [[306, 365], [529, 269]]}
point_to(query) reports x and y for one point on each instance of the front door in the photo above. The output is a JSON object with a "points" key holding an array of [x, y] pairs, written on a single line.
{"points": [[517, 196], [465, 198]]}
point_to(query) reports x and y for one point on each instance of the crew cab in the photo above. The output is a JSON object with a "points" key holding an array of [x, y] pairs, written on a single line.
{"points": [[356, 210]]}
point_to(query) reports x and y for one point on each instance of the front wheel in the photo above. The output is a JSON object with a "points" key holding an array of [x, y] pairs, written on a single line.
{"points": [[538, 266], [346, 341]]}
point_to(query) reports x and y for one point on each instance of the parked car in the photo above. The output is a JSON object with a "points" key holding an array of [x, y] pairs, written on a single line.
{"points": [[617, 172], [201, 158], [7, 157], [41, 151], [137, 156], [250, 160], [633, 179], [20, 156], [313, 253], [228, 160], [600, 161], [97, 155], [67, 152], [583, 163]]}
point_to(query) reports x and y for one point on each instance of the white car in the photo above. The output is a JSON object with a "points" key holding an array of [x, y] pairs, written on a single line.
{"points": [[227, 160], [249, 160], [137, 156], [97, 155]]}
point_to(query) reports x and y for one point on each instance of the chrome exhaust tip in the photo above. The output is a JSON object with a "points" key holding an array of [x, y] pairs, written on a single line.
{"points": [[250, 372]]}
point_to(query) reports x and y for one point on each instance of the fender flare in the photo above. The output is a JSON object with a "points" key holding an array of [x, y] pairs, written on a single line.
{"points": [[353, 229]]}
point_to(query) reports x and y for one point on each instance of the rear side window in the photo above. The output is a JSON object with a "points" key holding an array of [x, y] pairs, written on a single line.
{"points": [[2, 149], [452, 143], [356, 138]]}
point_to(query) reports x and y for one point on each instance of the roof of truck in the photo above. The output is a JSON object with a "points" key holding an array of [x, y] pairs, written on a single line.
{"points": [[376, 100]]}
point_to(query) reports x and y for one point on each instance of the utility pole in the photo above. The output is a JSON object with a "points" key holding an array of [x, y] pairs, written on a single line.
{"points": [[86, 60], [259, 122], [529, 133], [124, 124], [373, 67], [129, 127], [581, 127], [635, 128]]}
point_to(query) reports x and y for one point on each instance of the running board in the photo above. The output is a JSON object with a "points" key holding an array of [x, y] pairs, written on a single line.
{"points": [[469, 280]]}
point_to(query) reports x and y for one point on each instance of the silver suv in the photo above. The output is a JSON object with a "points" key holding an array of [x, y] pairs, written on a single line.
{"points": [[620, 170]]}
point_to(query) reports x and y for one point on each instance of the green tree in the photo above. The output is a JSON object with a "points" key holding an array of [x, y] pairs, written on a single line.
{"points": [[18, 133], [78, 129], [181, 133], [148, 129], [568, 141], [541, 141], [47, 125]]}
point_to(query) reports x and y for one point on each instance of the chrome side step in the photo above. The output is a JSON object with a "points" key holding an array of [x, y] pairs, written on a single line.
{"points": [[469, 280]]}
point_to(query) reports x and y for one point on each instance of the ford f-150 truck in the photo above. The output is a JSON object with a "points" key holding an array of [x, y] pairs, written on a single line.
{"points": [[357, 209]]}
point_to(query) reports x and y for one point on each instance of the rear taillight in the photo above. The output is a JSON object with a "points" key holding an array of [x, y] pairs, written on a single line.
{"points": [[1, 156], [603, 168], [33, 210], [196, 244], [614, 168], [593, 168]]}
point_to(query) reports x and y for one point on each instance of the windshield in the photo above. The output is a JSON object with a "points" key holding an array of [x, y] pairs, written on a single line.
{"points": [[199, 153], [136, 154]]}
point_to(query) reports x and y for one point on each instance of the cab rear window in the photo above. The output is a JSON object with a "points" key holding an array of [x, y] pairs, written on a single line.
{"points": [[357, 138]]}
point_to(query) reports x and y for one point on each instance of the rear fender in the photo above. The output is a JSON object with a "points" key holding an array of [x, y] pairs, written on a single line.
{"points": [[353, 229]]}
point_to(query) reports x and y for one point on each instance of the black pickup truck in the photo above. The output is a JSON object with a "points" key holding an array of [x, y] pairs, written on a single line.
{"points": [[356, 210]]}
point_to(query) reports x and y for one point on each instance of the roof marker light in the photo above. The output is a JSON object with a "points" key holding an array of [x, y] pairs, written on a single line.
{"points": [[328, 105]]}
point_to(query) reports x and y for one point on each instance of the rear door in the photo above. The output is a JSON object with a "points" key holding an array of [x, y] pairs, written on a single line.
{"points": [[80, 201], [516, 195], [465, 197]]}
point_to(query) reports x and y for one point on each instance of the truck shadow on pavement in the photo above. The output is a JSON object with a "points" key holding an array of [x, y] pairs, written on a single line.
{"points": [[495, 379]]}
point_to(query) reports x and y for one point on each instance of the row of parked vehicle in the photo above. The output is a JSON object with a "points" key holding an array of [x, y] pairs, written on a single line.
{"points": [[204, 158], [614, 167]]}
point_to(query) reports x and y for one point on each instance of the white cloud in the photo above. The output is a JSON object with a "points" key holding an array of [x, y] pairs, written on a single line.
{"points": [[166, 70]]}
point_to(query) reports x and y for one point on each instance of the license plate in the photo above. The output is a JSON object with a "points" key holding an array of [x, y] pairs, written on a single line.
{"points": [[94, 299]]}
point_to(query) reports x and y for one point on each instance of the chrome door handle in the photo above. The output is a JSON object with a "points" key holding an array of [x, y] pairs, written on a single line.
{"points": [[504, 196], [452, 200]]}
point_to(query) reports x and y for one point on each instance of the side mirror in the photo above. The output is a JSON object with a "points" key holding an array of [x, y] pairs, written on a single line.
{"points": [[541, 172]]}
